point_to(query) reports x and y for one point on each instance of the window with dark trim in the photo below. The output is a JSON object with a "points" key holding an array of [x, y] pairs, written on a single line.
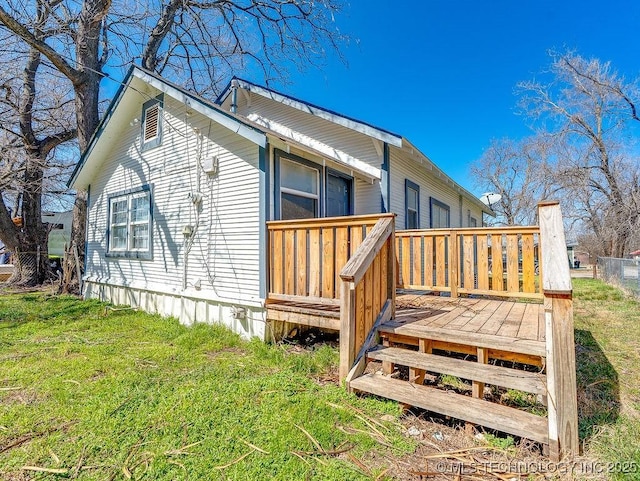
{"points": [[439, 214], [130, 224], [152, 123], [412, 204], [297, 187], [473, 222], [304, 189]]}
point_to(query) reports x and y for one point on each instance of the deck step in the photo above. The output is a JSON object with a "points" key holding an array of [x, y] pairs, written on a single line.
{"points": [[526, 381], [476, 339], [485, 413], [307, 315]]}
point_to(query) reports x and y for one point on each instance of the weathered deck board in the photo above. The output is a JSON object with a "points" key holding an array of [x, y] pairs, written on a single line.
{"points": [[529, 327], [532, 382], [491, 341], [477, 411], [512, 322], [494, 323]]}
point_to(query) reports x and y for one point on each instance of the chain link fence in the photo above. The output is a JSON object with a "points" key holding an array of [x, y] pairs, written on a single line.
{"points": [[623, 273], [33, 264]]}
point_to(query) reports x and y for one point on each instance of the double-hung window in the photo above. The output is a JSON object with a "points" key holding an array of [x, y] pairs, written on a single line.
{"points": [[130, 224], [412, 204], [440, 214], [299, 190]]}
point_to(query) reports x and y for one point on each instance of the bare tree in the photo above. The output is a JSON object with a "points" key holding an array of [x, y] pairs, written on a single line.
{"points": [[195, 43], [33, 125], [518, 171], [582, 153], [586, 110]]}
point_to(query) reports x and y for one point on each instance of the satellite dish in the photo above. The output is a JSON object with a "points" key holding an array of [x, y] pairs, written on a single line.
{"points": [[489, 199]]}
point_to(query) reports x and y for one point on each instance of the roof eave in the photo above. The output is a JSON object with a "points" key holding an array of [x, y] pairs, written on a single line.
{"points": [[324, 113]]}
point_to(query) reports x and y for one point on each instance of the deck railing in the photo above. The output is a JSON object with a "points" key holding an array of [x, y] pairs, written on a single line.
{"points": [[306, 256], [367, 293], [498, 261]]}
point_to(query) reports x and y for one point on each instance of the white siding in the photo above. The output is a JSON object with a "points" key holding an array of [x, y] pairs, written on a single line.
{"points": [[471, 210], [368, 197], [224, 259], [402, 168]]}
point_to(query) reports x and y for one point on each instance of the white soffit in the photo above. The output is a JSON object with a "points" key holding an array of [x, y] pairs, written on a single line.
{"points": [[334, 117], [319, 147]]}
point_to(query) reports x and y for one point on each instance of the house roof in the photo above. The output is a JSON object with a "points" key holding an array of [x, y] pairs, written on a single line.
{"points": [[635, 253], [137, 78]]}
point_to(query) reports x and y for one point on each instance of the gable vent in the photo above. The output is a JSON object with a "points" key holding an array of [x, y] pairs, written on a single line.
{"points": [[151, 117]]}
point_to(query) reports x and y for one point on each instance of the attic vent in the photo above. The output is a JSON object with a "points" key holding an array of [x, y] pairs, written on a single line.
{"points": [[151, 135], [151, 117]]}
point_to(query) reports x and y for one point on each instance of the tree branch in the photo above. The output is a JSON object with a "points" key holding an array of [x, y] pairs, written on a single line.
{"points": [[56, 59]]}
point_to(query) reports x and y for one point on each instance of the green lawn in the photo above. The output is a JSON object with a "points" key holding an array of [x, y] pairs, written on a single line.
{"points": [[127, 395], [608, 356]]}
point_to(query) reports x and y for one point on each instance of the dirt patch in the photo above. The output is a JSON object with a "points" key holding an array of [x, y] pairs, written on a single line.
{"points": [[16, 476], [20, 396], [330, 376], [448, 451]]}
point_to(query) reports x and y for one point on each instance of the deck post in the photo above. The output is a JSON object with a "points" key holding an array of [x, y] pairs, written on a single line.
{"points": [[391, 269], [560, 344], [347, 326]]}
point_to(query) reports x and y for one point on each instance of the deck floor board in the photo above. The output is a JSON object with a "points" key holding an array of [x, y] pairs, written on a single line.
{"points": [[497, 317]]}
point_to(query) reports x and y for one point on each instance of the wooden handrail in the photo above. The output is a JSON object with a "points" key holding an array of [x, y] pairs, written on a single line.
{"points": [[306, 256], [526, 229], [369, 219], [470, 260], [356, 267], [367, 291]]}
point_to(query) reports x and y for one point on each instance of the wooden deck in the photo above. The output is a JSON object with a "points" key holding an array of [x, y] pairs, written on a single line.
{"points": [[446, 301]]}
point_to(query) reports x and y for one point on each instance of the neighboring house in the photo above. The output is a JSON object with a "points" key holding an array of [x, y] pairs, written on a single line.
{"points": [[59, 231], [635, 255], [59, 227], [179, 190]]}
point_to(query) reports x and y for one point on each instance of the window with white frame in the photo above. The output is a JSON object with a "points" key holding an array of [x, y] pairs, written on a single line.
{"points": [[412, 204], [440, 214], [130, 224], [152, 123], [299, 190]]}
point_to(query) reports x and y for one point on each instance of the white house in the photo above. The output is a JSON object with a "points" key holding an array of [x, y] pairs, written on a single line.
{"points": [[180, 188]]}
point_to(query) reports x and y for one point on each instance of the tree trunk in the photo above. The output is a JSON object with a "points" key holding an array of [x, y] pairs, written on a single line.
{"points": [[31, 257], [89, 64], [78, 235]]}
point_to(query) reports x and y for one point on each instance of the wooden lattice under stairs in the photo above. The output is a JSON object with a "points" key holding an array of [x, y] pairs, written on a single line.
{"points": [[499, 313]]}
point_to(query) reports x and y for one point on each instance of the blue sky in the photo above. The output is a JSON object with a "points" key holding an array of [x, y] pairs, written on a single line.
{"points": [[443, 73]]}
